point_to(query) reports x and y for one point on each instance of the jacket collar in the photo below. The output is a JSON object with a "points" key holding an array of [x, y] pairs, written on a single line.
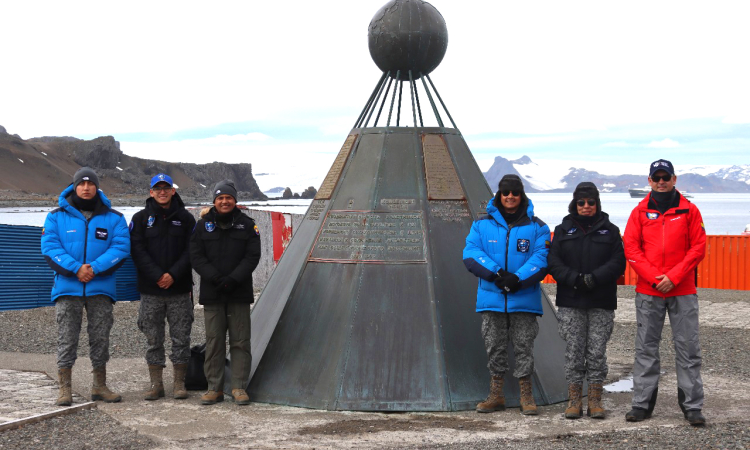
{"points": [[568, 222], [683, 203], [154, 208], [103, 206], [495, 213]]}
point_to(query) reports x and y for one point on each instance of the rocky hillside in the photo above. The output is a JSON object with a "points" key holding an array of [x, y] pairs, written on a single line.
{"points": [[45, 166]]}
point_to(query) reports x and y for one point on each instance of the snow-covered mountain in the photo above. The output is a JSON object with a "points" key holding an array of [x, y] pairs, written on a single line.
{"points": [[551, 175]]}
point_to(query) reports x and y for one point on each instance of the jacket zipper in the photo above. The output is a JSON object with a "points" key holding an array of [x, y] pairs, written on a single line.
{"points": [[85, 246], [507, 250]]}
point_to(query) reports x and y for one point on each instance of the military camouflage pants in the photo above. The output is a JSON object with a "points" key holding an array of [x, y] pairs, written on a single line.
{"points": [[522, 329], [178, 311], [69, 316], [586, 332]]}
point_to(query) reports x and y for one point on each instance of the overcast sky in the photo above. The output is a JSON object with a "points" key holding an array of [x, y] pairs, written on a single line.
{"points": [[280, 84]]}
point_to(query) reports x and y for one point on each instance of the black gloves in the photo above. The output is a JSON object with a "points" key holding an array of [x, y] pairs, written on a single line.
{"points": [[228, 284], [501, 274], [585, 282], [508, 283], [590, 282]]}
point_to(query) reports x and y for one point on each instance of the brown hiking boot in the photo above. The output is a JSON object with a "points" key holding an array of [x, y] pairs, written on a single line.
{"points": [[240, 397], [212, 397], [99, 390], [575, 406], [528, 407], [179, 381], [595, 409], [156, 390], [496, 400], [66, 396]]}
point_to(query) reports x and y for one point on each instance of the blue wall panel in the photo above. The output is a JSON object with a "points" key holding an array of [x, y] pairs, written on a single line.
{"points": [[26, 279]]}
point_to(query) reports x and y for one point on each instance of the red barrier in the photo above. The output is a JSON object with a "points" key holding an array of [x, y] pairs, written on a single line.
{"points": [[282, 233], [726, 265]]}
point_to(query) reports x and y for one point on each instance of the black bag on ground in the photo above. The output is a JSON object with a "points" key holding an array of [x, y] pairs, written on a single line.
{"points": [[195, 378]]}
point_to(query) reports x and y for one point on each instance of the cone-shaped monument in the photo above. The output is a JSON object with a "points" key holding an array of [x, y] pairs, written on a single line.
{"points": [[371, 308]]}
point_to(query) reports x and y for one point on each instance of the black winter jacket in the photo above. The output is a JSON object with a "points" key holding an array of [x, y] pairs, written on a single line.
{"points": [[216, 252], [598, 251], [160, 241]]}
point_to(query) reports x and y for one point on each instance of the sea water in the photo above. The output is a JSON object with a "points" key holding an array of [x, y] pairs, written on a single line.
{"points": [[722, 213]]}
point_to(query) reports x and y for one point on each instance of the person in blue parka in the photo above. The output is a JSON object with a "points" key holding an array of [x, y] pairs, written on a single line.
{"points": [[507, 251], [84, 241]]}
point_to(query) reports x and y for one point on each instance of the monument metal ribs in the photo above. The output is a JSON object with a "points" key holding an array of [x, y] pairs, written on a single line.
{"points": [[371, 237]]}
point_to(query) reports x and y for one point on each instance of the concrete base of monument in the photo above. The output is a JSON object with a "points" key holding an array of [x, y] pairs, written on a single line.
{"points": [[188, 424]]}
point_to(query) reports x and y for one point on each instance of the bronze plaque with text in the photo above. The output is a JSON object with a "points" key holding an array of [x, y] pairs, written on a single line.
{"points": [[374, 237], [442, 180], [329, 184]]}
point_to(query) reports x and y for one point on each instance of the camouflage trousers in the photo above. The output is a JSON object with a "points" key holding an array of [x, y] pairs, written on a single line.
{"points": [[586, 332], [520, 329], [69, 316], [178, 312]]}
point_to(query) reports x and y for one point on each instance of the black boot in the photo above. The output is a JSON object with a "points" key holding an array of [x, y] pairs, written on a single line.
{"points": [[638, 414]]}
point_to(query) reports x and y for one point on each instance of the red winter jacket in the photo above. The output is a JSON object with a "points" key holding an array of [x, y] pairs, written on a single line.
{"points": [[672, 243]]}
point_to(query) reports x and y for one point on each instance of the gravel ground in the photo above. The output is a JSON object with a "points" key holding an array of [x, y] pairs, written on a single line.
{"points": [[724, 350], [34, 331], [90, 429], [730, 435]]}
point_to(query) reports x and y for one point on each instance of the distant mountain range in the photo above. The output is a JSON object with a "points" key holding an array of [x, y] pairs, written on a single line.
{"points": [[45, 166], [563, 176]]}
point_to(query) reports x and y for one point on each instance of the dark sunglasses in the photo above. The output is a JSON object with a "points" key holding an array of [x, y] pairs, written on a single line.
{"points": [[658, 178], [590, 201], [161, 188], [507, 193]]}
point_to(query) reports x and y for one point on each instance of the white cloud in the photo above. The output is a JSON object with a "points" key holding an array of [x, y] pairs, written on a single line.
{"points": [[617, 145], [737, 119], [664, 143]]}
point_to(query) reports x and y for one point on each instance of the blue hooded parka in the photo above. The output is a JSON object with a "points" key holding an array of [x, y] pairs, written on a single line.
{"points": [[520, 248], [69, 241]]}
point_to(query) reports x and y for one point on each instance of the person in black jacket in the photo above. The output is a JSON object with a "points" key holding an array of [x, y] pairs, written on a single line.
{"points": [[586, 259], [225, 250], [160, 237]]}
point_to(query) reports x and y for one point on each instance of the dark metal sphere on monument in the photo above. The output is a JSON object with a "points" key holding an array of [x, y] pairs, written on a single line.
{"points": [[407, 35]]}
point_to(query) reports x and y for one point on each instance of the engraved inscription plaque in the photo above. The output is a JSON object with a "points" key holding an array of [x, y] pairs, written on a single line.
{"points": [[326, 189], [316, 208], [442, 180], [449, 211], [398, 204], [370, 237]]}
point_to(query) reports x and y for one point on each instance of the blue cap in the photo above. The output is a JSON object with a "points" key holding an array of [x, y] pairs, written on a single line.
{"points": [[161, 177], [661, 164]]}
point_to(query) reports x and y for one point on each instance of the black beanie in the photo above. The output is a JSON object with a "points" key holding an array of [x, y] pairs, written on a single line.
{"points": [[225, 187], [85, 174], [585, 189]]}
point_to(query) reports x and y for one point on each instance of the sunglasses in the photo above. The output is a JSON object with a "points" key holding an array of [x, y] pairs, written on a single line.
{"points": [[590, 201], [161, 188], [507, 193], [658, 178]]}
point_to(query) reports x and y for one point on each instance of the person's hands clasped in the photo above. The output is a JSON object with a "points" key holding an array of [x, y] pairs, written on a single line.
{"points": [[665, 284], [228, 285], [166, 281], [508, 283], [85, 273]]}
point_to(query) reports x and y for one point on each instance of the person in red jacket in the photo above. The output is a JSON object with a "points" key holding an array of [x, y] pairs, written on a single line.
{"points": [[664, 241]]}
